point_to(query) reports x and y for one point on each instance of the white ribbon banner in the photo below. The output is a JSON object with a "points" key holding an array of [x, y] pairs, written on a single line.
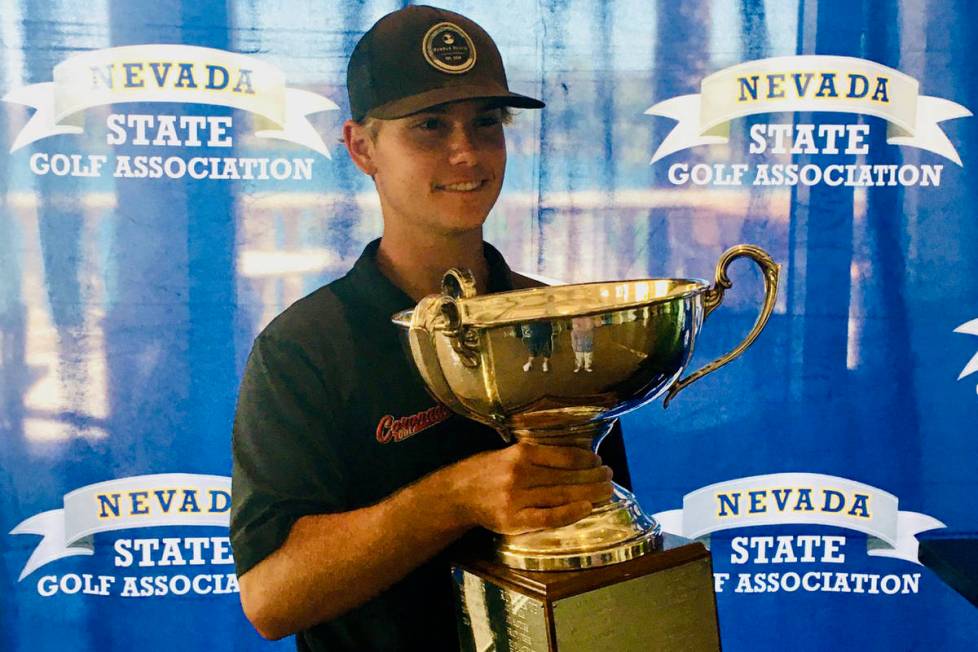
{"points": [[169, 73], [804, 498], [137, 502], [808, 83], [969, 328]]}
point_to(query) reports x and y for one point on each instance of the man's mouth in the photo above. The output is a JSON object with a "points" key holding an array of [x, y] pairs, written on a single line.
{"points": [[464, 186]]}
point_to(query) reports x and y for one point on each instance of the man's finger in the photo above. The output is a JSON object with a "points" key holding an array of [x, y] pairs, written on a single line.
{"points": [[567, 494], [562, 457], [549, 476], [539, 518]]}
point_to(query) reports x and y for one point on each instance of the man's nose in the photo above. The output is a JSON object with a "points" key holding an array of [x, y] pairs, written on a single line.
{"points": [[463, 146]]}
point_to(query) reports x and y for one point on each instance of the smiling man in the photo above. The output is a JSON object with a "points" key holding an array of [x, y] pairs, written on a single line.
{"points": [[349, 480]]}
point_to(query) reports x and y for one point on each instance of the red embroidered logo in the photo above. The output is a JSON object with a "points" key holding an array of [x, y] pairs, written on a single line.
{"points": [[390, 429]]}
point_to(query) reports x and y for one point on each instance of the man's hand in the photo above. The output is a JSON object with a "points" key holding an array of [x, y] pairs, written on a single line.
{"points": [[527, 487]]}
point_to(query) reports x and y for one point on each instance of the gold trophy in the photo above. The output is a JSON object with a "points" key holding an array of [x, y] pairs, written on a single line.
{"points": [[557, 366]]}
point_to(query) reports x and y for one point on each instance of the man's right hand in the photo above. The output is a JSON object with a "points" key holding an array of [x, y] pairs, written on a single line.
{"points": [[527, 487]]}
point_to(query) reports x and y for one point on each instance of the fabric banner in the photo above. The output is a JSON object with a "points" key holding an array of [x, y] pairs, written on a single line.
{"points": [[809, 83], [807, 498], [168, 73], [126, 503], [172, 178]]}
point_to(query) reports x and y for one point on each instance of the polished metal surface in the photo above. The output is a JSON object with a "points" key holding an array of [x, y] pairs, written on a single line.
{"points": [[558, 364], [670, 610], [493, 617]]}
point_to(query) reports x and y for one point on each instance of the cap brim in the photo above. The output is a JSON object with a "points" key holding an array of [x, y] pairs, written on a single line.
{"points": [[408, 105]]}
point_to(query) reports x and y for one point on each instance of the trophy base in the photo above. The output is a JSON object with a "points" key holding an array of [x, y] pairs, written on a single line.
{"points": [[660, 601], [613, 532]]}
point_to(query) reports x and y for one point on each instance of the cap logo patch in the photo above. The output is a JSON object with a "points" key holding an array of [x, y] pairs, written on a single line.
{"points": [[448, 48]]}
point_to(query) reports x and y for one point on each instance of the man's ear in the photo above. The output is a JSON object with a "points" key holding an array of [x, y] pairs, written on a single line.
{"points": [[360, 145]]}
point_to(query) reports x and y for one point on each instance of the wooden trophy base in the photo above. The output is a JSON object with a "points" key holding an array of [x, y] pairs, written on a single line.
{"points": [[663, 600]]}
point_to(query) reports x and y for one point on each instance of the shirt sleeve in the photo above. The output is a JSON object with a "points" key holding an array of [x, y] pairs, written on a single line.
{"points": [[284, 463]]}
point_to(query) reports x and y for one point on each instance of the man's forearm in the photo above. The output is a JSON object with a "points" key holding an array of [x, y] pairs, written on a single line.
{"points": [[331, 563]]}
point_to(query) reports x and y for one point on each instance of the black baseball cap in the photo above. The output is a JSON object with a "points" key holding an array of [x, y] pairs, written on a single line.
{"points": [[420, 56]]}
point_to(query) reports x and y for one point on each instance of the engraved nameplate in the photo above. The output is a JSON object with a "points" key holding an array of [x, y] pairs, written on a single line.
{"points": [[498, 619]]}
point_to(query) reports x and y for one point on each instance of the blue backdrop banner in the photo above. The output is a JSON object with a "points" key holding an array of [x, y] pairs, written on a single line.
{"points": [[171, 179]]}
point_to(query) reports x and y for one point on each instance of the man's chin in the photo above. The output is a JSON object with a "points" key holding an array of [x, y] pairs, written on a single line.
{"points": [[457, 228], [462, 221], [464, 230]]}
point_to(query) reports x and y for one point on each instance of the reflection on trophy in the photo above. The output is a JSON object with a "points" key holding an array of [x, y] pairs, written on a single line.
{"points": [[538, 337], [465, 350], [582, 341]]}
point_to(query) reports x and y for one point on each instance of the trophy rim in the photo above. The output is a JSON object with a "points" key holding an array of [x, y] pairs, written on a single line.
{"points": [[682, 290]]}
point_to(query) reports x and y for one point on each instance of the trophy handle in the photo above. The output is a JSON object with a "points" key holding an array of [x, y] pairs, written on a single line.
{"points": [[714, 295], [459, 283]]}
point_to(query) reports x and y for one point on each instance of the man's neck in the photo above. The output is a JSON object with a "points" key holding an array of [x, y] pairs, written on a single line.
{"points": [[418, 263]]}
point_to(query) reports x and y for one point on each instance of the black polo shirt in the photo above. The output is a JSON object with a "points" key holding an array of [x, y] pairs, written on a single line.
{"points": [[332, 417]]}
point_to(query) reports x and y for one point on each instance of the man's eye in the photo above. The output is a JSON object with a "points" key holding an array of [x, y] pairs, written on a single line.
{"points": [[430, 124], [488, 121]]}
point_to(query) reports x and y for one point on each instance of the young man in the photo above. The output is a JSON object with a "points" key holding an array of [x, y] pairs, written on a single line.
{"points": [[349, 481]]}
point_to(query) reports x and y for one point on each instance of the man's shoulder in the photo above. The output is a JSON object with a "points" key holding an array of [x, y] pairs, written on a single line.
{"points": [[521, 282], [322, 311]]}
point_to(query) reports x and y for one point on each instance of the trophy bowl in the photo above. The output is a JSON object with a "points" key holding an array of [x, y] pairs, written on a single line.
{"points": [[556, 365]]}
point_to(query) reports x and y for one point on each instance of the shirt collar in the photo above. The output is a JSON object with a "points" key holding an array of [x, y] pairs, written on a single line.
{"points": [[379, 292]]}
